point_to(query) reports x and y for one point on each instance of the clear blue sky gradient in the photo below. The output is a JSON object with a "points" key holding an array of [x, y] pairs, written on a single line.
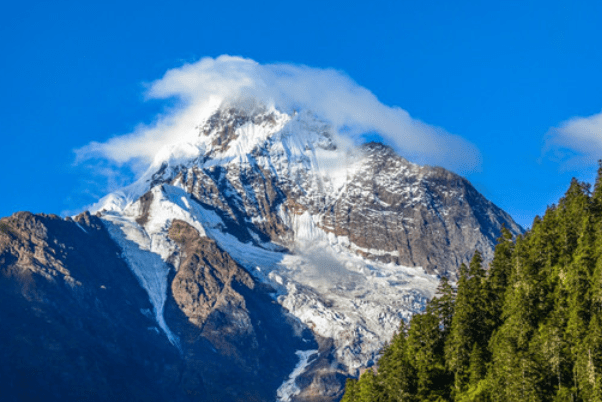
{"points": [[499, 74]]}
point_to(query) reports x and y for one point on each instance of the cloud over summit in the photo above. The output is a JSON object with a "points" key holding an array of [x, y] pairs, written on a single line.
{"points": [[201, 86]]}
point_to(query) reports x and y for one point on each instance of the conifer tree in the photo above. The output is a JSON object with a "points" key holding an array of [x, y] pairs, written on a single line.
{"points": [[350, 391], [426, 346], [555, 349], [589, 362], [366, 389], [597, 194], [596, 278], [578, 284], [468, 323], [459, 342], [497, 280], [443, 304], [477, 368], [396, 374], [514, 373]]}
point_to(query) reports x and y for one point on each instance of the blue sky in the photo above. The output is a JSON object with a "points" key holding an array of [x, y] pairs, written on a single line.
{"points": [[502, 76]]}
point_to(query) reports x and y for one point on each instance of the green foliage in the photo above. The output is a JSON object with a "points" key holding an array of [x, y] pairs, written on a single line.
{"points": [[350, 391], [529, 328]]}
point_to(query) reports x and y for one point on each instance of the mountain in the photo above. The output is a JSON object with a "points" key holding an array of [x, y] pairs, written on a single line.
{"points": [[270, 258]]}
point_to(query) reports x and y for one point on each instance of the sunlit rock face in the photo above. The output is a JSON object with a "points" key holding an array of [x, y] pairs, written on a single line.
{"points": [[270, 252]]}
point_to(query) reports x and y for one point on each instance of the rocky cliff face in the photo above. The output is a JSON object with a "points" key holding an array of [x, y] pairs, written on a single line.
{"points": [[269, 242], [76, 324], [411, 215]]}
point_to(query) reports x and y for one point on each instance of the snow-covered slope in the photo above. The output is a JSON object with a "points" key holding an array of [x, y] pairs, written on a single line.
{"points": [[351, 238], [335, 292]]}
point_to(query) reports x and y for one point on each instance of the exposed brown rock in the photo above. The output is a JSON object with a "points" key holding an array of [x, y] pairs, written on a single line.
{"points": [[422, 216], [323, 380], [145, 203], [71, 310], [205, 275], [223, 124], [76, 325]]}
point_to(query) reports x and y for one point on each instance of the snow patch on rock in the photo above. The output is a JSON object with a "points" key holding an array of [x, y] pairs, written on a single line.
{"points": [[289, 388], [139, 251]]}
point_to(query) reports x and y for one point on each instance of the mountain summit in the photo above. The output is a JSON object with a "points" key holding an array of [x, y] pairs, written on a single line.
{"points": [[262, 168], [267, 206]]}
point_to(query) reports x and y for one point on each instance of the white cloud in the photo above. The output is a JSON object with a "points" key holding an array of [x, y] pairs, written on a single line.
{"points": [[329, 93], [577, 141]]}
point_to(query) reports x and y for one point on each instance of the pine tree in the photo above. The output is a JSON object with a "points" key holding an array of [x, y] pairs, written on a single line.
{"points": [[477, 368], [457, 348], [478, 295], [589, 362], [469, 322], [366, 388], [555, 349], [426, 346], [597, 194], [396, 374], [578, 284], [497, 280], [443, 304], [596, 278], [514, 375], [350, 391], [478, 389]]}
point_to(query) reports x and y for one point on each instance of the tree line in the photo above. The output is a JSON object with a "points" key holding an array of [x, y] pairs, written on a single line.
{"points": [[529, 328]]}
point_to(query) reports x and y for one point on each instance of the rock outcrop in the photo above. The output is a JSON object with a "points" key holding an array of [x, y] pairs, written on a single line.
{"points": [[76, 324]]}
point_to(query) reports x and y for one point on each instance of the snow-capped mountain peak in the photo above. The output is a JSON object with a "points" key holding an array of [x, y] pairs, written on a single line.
{"points": [[351, 238], [243, 135]]}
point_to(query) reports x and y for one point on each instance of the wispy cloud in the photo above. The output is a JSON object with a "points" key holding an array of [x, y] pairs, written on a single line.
{"points": [[329, 93], [576, 142]]}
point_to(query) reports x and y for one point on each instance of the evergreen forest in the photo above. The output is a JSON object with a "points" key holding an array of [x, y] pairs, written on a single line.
{"points": [[526, 328]]}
